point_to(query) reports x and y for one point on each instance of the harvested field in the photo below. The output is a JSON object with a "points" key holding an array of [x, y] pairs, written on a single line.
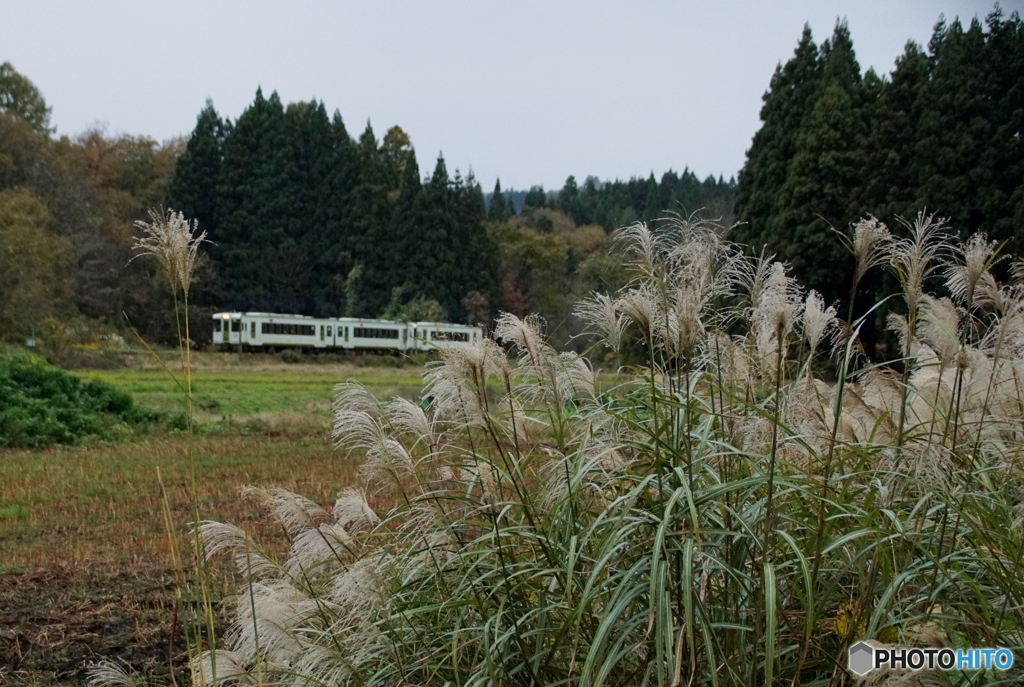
{"points": [[84, 561]]}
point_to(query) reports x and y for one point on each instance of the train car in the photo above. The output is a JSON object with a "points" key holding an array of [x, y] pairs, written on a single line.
{"points": [[375, 335], [256, 330], [271, 330], [227, 328]]}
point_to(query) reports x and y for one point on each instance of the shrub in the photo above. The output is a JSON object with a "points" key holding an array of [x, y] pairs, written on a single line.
{"points": [[41, 405], [718, 515]]}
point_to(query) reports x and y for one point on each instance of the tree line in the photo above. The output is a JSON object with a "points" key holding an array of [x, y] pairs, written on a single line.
{"points": [[616, 204], [303, 217], [941, 132], [67, 208], [306, 219]]}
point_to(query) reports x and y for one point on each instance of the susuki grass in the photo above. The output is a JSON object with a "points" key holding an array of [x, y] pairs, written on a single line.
{"points": [[723, 517]]}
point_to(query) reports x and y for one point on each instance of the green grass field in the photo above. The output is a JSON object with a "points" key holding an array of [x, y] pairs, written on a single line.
{"points": [[258, 390], [83, 547]]}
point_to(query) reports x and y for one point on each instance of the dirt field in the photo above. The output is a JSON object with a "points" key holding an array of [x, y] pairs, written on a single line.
{"points": [[84, 563]]}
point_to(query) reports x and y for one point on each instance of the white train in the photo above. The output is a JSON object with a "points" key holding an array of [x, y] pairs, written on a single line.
{"points": [[262, 330]]}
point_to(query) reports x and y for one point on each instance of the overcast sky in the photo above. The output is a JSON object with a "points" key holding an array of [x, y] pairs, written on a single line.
{"points": [[531, 91]]}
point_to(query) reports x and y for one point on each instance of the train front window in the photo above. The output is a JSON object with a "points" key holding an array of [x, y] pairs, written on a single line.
{"points": [[216, 325], [235, 325]]}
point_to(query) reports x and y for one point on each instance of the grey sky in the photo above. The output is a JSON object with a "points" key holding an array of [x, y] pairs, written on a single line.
{"points": [[531, 92]]}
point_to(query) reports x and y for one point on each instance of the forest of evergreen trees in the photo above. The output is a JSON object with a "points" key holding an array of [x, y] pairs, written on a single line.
{"points": [[942, 132], [306, 218], [620, 203]]}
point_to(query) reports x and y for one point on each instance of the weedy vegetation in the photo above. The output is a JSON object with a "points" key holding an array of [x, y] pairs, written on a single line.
{"points": [[722, 516], [41, 405]]}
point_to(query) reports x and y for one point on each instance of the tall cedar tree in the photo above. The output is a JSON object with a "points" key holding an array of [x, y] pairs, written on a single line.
{"points": [[332, 232], [787, 103], [825, 168], [498, 209], [250, 211], [366, 254], [194, 189]]}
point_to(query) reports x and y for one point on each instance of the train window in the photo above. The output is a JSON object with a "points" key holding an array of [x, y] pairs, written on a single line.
{"points": [[252, 330], [374, 333], [329, 331], [216, 325], [449, 336], [235, 325]]}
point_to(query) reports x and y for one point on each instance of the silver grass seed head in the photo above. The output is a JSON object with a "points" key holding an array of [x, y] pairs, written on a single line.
{"points": [[293, 511], [722, 353], [315, 546], [918, 257], [974, 258], [357, 417], [989, 294], [602, 319], [352, 511], [1005, 337], [220, 537], [231, 669], [267, 616], [409, 418], [386, 462], [110, 674], [938, 326], [752, 277], [456, 383], [573, 377], [173, 242], [525, 335], [356, 429], [642, 306], [820, 323], [871, 245], [687, 319], [898, 325], [647, 249], [358, 590], [779, 304], [321, 665], [1017, 272], [353, 396]]}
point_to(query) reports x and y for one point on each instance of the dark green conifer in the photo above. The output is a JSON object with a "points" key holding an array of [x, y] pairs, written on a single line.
{"points": [[194, 189], [787, 102], [251, 213], [535, 198], [498, 210]]}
